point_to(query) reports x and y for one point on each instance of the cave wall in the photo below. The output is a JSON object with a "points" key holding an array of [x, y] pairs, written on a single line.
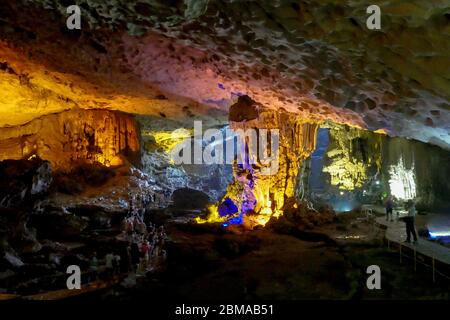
{"points": [[344, 171], [87, 136], [431, 167], [356, 168], [159, 137], [352, 157], [211, 179]]}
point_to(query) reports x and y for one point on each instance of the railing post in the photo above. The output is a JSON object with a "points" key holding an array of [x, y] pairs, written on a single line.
{"points": [[415, 260], [434, 273], [400, 251]]}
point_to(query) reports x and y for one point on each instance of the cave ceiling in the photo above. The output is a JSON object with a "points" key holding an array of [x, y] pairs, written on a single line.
{"points": [[189, 59]]}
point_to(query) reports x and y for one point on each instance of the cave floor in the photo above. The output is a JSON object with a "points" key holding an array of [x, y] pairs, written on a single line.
{"points": [[207, 263], [396, 233]]}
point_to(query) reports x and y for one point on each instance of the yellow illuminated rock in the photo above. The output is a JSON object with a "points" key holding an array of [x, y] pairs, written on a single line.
{"points": [[349, 162], [213, 216], [167, 140], [29, 88]]}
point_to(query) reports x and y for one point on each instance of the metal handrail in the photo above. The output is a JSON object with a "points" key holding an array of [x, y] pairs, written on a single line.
{"points": [[432, 266]]}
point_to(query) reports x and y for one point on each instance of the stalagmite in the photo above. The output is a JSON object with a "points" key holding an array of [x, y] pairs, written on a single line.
{"points": [[258, 196]]}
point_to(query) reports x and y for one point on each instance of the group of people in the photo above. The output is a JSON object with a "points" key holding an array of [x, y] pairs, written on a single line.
{"points": [[409, 219], [144, 250], [145, 244]]}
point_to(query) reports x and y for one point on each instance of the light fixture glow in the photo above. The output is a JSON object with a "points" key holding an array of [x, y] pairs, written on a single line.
{"points": [[439, 234]]}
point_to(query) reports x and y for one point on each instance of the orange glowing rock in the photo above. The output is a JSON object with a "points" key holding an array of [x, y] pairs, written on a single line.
{"points": [[102, 136], [31, 88]]}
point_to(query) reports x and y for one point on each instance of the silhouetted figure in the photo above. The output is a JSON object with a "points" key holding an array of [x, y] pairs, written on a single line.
{"points": [[93, 267], [135, 255], [410, 222], [389, 208], [145, 254], [116, 264], [129, 226], [109, 259], [124, 259]]}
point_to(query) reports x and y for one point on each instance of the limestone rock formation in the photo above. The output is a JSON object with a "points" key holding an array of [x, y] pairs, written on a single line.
{"points": [[351, 156], [245, 109], [74, 136], [258, 195], [23, 181], [429, 165], [359, 167]]}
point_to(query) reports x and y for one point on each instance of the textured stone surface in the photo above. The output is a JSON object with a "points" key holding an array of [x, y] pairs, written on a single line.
{"points": [[23, 181], [357, 168], [188, 199], [351, 155], [74, 136], [156, 161], [313, 58], [430, 165]]}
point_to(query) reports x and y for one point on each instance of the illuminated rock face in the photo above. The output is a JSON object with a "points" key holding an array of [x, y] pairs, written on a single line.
{"points": [[360, 167], [345, 170], [102, 136], [350, 156], [411, 169]]}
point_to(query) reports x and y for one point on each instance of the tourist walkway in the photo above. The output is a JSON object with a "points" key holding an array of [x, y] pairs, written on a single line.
{"points": [[395, 232]]}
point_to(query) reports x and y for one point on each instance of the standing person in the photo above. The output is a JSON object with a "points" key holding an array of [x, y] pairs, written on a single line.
{"points": [[116, 264], [129, 258], [124, 254], [93, 267], [389, 208], [145, 249], [155, 244], [109, 258], [410, 222], [135, 253], [129, 227], [140, 226]]}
